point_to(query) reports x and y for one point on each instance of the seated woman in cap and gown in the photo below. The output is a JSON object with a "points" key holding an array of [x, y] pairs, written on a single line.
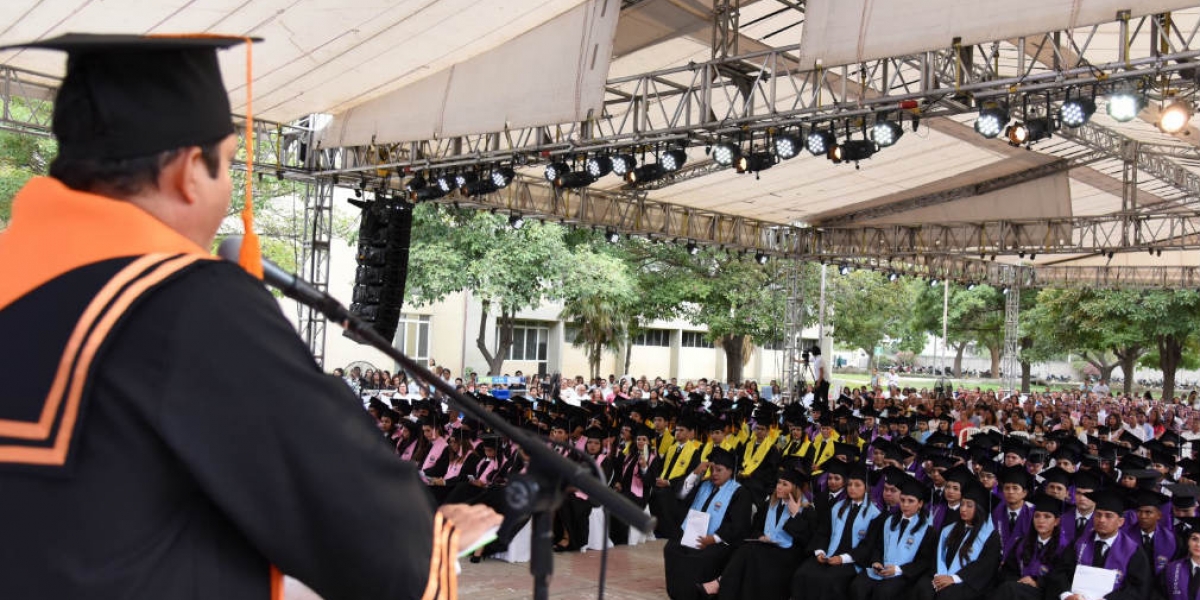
{"points": [[728, 507], [1105, 546], [968, 552], [829, 488], [898, 550], [946, 512], [461, 460], [476, 481], [572, 522], [1181, 578], [827, 572], [634, 477], [762, 569], [1036, 553]]}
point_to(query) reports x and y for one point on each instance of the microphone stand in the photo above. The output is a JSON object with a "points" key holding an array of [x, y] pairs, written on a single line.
{"points": [[539, 492]]}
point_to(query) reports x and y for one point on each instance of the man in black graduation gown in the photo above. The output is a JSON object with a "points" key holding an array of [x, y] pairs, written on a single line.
{"points": [[164, 432], [729, 506], [1105, 546]]}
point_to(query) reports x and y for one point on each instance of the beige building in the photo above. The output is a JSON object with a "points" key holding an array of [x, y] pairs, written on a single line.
{"points": [[446, 333]]}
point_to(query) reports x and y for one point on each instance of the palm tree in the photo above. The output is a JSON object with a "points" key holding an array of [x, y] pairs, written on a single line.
{"points": [[603, 323]]}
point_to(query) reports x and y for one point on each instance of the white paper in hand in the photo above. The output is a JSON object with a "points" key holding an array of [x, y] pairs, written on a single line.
{"points": [[1093, 582], [694, 528]]}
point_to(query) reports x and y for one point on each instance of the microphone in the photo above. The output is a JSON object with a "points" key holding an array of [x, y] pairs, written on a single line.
{"points": [[292, 286]]}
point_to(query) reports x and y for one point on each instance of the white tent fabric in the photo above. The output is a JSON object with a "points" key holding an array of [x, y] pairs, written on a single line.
{"points": [[554, 73], [840, 32]]}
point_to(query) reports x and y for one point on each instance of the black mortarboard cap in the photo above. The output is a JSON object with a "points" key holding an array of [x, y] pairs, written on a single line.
{"points": [[1057, 475], [987, 465], [1130, 439], [979, 495], [1016, 445], [1047, 504], [1170, 438], [128, 96], [911, 486], [850, 451], [893, 476], [1133, 461], [1143, 497], [1087, 480], [594, 433], [723, 457], [795, 476], [858, 472], [836, 467], [1108, 500], [1184, 495], [1015, 474], [940, 439], [960, 475]]}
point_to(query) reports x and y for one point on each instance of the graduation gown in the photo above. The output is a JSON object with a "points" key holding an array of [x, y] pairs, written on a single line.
{"points": [[835, 536], [1037, 566], [762, 570], [665, 504], [1010, 535], [911, 550], [976, 573], [1070, 525], [1177, 578], [1127, 556], [179, 478], [685, 567], [636, 485]]}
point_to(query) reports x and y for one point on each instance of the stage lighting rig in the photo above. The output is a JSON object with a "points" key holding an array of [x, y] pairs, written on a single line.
{"points": [[673, 160], [1076, 111], [754, 162], [623, 164], [787, 146], [761, 258], [1031, 131], [991, 121], [502, 177], [416, 183], [555, 170], [885, 133], [573, 179], [446, 183], [1124, 106], [611, 236], [819, 142], [852, 151], [598, 166], [645, 174], [726, 153], [516, 221], [1174, 118], [692, 248]]}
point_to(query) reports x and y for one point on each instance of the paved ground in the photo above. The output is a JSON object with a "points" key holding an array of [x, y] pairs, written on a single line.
{"points": [[634, 573]]}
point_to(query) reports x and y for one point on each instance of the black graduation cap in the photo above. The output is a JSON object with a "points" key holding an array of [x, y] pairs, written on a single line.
{"points": [[1047, 504], [795, 476], [723, 457], [1133, 461], [640, 430], [939, 439], [911, 486], [834, 466], [850, 451], [910, 445], [942, 462], [893, 476], [595, 433], [1146, 478], [1110, 500], [1143, 497], [1130, 439], [1016, 445], [1184, 495], [1015, 474], [1057, 475], [987, 465], [127, 96], [1087, 480], [857, 471], [1170, 438], [982, 497], [390, 414]]}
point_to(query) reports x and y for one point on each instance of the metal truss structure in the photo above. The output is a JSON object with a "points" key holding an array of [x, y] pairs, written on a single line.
{"points": [[793, 320], [314, 260], [1011, 364]]}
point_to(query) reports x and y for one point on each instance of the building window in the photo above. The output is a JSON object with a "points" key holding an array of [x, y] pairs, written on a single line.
{"points": [[529, 342], [694, 339], [570, 333], [412, 337], [653, 337]]}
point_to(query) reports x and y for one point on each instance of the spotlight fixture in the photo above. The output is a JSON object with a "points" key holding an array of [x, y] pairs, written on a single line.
{"points": [[787, 146], [462, 179], [424, 194], [1174, 118], [893, 276], [446, 183], [885, 133], [754, 162], [480, 188], [598, 166], [1004, 290], [623, 164], [612, 237], [1124, 106], [726, 153], [555, 169], [645, 173], [819, 142], [971, 286], [852, 151], [933, 282], [502, 177], [692, 248], [1029, 132], [991, 121], [573, 179], [844, 270], [760, 258], [1076, 112], [516, 221], [673, 160]]}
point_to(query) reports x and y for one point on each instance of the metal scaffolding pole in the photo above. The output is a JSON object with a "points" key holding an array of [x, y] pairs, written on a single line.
{"points": [[314, 262], [1010, 365], [794, 312]]}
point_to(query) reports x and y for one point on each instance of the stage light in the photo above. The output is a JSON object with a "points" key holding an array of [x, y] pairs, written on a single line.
{"points": [[760, 258], [692, 248], [893, 276], [555, 169], [462, 179], [885, 133], [480, 188], [502, 177], [1174, 118], [1029, 132], [787, 146], [623, 164], [991, 121], [971, 286], [852, 151], [844, 270], [645, 174], [516, 221], [1124, 106], [726, 153], [754, 162], [573, 179], [1076, 112], [598, 166], [612, 236], [934, 282], [1004, 290], [424, 194], [819, 142], [673, 160], [446, 183]]}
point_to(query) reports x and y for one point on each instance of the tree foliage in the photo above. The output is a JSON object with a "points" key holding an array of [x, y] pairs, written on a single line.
{"points": [[867, 308]]}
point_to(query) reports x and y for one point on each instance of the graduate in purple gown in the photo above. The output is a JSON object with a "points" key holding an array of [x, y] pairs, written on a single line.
{"points": [[1106, 547], [1078, 522], [1156, 537], [1014, 517], [1181, 578], [1022, 575]]}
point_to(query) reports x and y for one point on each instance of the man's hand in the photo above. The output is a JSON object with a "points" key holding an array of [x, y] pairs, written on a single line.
{"points": [[941, 582], [471, 521], [662, 483], [706, 541], [1027, 581], [702, 468]]}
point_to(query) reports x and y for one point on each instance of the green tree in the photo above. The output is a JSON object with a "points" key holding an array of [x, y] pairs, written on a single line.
{"points": [[599, 301], [1098, 325], [867, 308], [973, 315], [1169, 318], [509, 270], [22, 157]]}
